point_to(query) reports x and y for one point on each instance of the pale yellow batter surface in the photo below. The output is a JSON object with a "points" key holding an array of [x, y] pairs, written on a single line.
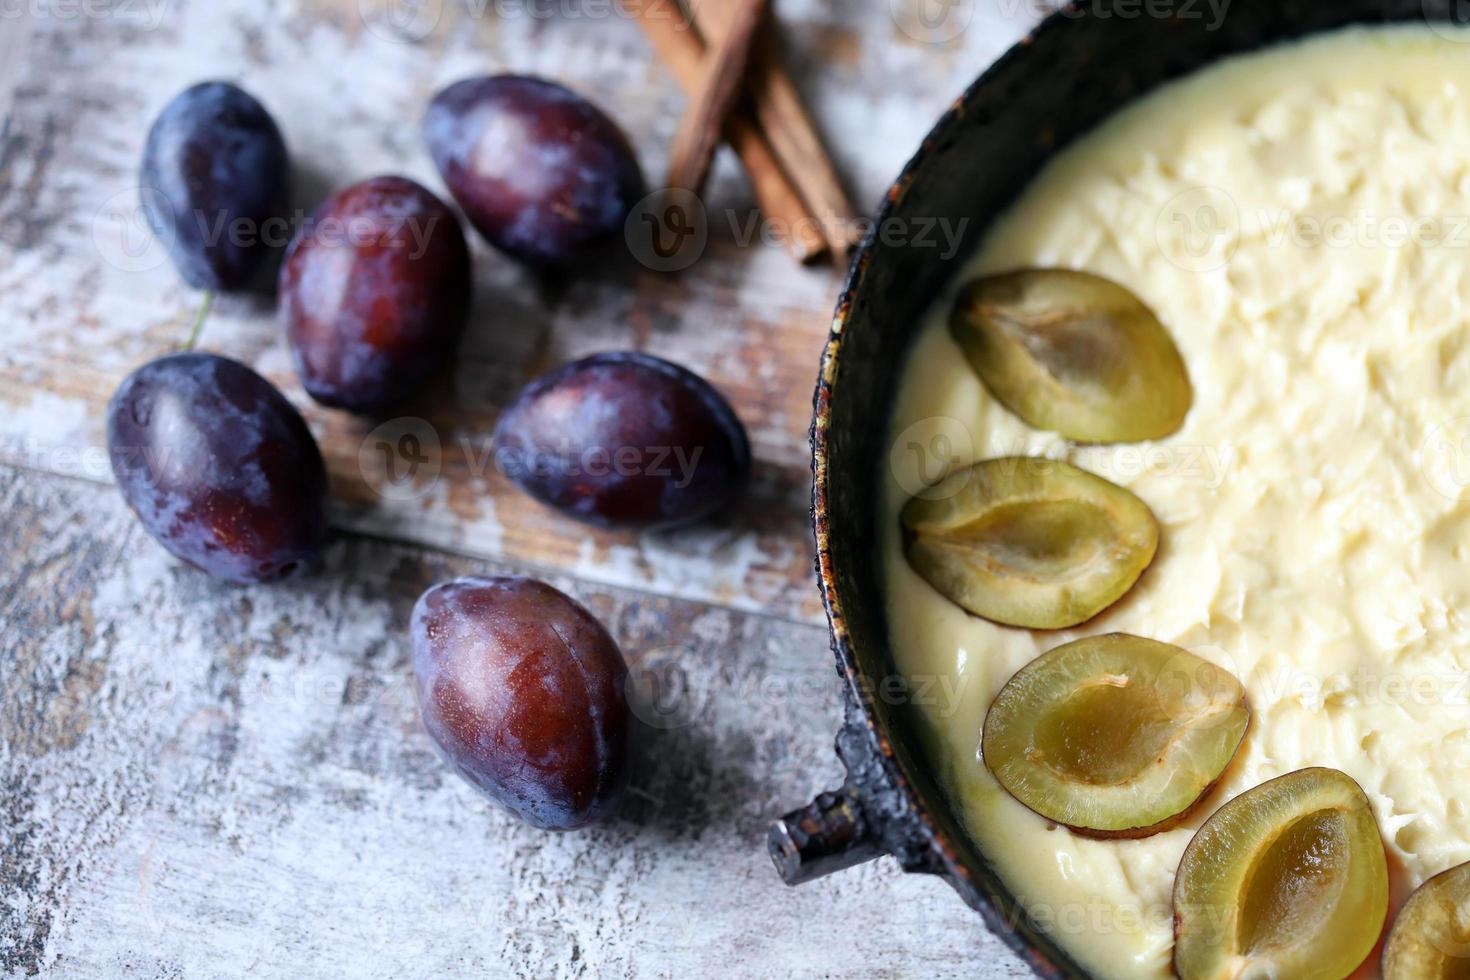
{"points": [[1300, 220]]}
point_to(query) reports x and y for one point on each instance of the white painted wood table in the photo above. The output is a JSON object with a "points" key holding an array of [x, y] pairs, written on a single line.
{"points": [[199, 780]]}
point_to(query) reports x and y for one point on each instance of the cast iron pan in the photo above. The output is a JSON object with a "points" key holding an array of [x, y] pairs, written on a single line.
{"points": [[1078, 67]]}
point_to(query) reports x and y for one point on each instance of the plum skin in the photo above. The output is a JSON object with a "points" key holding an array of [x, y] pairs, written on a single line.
{"points": [[215, 172], [624, 439], [540, 172], [219, 467], [523, 693], [375, 291]]}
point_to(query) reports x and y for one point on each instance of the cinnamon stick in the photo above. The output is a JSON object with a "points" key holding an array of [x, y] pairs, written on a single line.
{"points": [[786, 123], [678, 44], [704, 120]]}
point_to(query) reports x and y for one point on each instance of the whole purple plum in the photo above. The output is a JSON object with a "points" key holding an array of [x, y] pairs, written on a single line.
{"points": [[541, 172], [374, 293], [523, 693], [219, 468], [215, 175], [624, 440]]}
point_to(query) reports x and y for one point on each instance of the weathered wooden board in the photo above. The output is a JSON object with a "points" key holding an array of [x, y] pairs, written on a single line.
{"points": [[204, 781], [199, 780], [87, 295]]}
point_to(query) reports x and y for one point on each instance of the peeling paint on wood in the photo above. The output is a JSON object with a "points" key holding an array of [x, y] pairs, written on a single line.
{"points": [[87, 295], [205, 781], [202, 780]]}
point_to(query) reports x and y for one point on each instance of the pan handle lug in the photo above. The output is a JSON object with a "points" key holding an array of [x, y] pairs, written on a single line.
{"points": [[827, 835]]}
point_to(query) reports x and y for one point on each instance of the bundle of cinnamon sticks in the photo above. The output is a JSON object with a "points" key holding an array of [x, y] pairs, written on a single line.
{"points": [[727, 57]]}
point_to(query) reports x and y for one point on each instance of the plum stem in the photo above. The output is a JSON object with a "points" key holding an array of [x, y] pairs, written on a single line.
{"points": [[199, 320]]}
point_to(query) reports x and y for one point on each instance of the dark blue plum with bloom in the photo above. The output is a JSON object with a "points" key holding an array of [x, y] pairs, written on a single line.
{"points": [[625, 439], [219, 467], [215, 184], [541, 172]]}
